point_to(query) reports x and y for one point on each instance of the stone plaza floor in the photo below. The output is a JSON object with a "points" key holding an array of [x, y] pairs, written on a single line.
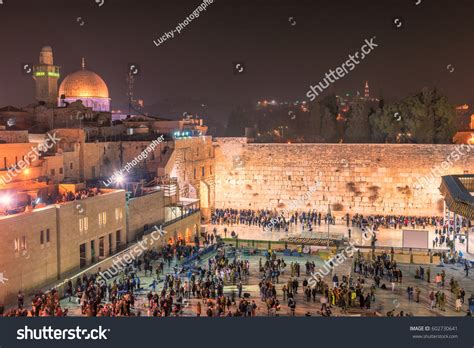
{"points": [[385, 300]]}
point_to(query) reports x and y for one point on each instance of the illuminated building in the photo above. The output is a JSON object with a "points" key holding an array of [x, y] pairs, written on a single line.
{"points": [[86, 86], [46, 75]]}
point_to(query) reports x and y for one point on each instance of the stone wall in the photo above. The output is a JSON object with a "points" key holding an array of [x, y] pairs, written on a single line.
{"points": [[79, 223], [26, 261], [194, 167], [354, 178], [143, 213]]}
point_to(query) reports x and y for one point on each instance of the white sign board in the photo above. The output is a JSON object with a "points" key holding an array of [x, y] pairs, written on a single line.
{"points": [[415, 239]]}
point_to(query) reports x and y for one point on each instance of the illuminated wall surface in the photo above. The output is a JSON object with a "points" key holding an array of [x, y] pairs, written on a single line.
{"points": [[356, 178]]}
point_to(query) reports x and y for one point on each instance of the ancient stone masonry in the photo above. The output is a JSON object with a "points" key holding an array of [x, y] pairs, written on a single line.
{"points": [[354, 178]]}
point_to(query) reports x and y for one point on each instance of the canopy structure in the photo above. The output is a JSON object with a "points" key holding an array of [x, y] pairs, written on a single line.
{"points": [[457, 191]]}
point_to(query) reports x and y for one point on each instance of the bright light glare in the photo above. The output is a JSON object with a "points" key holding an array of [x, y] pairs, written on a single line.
{"points": [[5, 200]]}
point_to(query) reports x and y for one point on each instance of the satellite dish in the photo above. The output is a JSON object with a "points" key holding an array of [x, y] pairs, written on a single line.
{"points": [[11, 122]]}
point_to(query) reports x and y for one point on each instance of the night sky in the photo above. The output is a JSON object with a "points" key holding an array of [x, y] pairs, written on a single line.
{"points": [[281, 60]]}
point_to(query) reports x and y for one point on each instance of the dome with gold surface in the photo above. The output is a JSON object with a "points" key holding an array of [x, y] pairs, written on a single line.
{"points": [[86, 86]]}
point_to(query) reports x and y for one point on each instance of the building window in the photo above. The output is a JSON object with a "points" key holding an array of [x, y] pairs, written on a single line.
{"points": [[101, 247], [42, 237], [118, 239], [197, 151], [110, 244], [70, 165], [60, 170], [23, 243], [47, 235], [17, 245], [202, 171], [102, 218], [118, 214], [210, 170], [210, 152], [53, 172], [83, 224], [194, 173]]}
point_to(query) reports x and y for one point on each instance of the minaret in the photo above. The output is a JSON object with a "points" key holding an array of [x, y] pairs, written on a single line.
{"points": [[367, 91], [46, 76]]}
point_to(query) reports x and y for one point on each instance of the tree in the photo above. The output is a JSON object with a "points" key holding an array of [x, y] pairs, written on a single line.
{"points": [[425, 118], [237, 122], [328, 125], [315, 119], [358, 126]]}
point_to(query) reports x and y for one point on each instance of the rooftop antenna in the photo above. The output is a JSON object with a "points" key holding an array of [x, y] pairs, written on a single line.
{"points": [[132, 104]]}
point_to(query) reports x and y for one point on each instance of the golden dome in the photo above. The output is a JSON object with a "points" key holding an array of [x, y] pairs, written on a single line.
{"points": [[85, 84]]}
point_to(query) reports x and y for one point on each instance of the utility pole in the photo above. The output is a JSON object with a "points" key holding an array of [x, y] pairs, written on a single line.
{"points": [[328, 218]]}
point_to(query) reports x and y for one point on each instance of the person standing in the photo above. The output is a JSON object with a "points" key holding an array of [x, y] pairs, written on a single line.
{"points": [[292, 305], [417, 293], [432, 299], [198, 309], [458, 304], [20, 298]]}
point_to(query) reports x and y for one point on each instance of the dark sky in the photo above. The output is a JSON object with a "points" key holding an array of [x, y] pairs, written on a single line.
{"points": [[281, 60]]}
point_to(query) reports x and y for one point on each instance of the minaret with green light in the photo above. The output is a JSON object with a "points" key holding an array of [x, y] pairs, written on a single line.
{"points": [[46, 76]]}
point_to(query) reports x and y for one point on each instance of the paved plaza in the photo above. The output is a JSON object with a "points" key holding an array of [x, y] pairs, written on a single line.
{"points": [[386, 237], [385, 300]]}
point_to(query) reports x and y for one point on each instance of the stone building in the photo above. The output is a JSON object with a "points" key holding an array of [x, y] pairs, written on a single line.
{"points": [[46, 76]]}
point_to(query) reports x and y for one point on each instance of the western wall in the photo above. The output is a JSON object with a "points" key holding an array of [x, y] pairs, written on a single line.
{"points": [[350, 178]]}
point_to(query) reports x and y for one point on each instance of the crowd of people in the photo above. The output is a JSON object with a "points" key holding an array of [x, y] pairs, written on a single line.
{"points": [[270, 219], [29, 203], [281, 284], [274, 220], [69, 196]]}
